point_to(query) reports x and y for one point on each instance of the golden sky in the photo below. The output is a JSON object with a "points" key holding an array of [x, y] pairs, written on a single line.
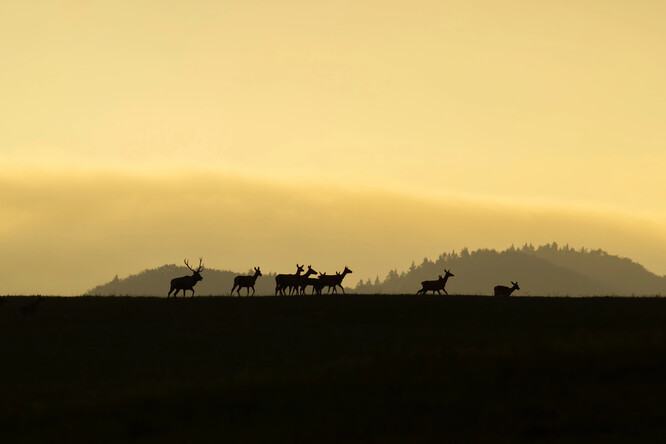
{"points": [[360, 133]]}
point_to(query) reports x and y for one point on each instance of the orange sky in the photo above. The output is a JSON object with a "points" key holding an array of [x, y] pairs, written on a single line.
{"points": [[501, 123]]}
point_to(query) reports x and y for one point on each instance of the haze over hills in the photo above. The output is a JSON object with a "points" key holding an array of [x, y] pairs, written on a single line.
{"points": [[547, 270], [155, 282]]}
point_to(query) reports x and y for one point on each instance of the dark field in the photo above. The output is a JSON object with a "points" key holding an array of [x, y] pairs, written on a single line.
{"points": [[333, 369]]}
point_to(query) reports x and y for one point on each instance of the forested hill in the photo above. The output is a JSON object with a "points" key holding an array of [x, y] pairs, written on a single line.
{"points": [[548, 270], [155, 282]]}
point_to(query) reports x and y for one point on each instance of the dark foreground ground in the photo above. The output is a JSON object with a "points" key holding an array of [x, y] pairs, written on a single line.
{"points": [[364, 369]]}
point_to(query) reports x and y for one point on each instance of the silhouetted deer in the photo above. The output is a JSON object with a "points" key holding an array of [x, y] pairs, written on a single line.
{"points": [[332, 281], [311, 282], [283, 281], [30, 308], [186, 282], [302, 281], [436, 286], [246, 281], [502, 290], [317, 283]]}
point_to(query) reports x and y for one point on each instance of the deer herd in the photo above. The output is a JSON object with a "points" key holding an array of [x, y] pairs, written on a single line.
{"points": [[298, 283]]}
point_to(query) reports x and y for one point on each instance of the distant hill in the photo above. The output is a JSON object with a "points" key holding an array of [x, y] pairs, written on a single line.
{"points": [[155, 282], [548, 270]]}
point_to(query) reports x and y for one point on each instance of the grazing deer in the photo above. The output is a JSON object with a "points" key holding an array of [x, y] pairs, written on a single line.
{"points": [[30, 308], [246, 281], [302, 281], [436, 286], [501, 290], [332, 281], [186, 282], [283, 281]]}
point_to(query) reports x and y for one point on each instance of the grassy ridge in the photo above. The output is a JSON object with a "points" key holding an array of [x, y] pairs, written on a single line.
{"points": [[328, 369]]}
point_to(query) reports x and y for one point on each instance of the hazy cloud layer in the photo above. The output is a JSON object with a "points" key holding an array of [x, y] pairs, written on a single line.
{"points": [[64, 233]]}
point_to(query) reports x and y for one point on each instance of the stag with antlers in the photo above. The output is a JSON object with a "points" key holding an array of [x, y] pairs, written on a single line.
{"points": [[246, 281], [187, 282]]}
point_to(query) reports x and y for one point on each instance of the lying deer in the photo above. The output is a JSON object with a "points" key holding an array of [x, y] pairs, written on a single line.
{"points": [[502, 290]]}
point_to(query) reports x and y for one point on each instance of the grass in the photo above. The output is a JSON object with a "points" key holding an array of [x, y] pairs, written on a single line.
{"points": [[356, 368]]}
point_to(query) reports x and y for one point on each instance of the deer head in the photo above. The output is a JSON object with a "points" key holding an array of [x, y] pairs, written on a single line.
{"points": [[447, 273], [515, 285], [257, 272], [196, 273]]}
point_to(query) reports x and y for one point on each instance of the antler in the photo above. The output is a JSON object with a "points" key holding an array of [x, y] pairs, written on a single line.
{"points": [[199, 268]]}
